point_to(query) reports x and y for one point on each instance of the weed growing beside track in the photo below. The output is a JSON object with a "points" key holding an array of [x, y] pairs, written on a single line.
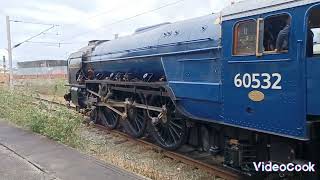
{"points": [[53, 87], [64, 125], [59, 124]]}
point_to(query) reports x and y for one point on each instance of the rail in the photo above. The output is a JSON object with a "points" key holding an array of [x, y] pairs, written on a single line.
{"points": [[215, 170]]}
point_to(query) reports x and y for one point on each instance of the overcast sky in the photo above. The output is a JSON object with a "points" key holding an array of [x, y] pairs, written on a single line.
{"points": [[83, 20]]}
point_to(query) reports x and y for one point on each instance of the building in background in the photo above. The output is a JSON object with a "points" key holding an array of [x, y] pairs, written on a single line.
{"points": [[41, 69], [4, 75]]}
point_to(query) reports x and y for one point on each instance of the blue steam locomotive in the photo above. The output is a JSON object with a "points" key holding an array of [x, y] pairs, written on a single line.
{"points": [[242, 84]]}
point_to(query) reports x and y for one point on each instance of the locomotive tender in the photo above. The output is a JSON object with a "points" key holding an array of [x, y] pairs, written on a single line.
{"points": [[218, 82]]}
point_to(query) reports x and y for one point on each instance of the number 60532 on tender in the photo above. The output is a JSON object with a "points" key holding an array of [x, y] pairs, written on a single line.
{"points": [[257, 81]]}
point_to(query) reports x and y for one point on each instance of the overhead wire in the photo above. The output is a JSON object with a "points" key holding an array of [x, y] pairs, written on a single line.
{"points": [[39, 34], [35, 23], [129, 18], [44, 32], [63, 42], [93, 16], [103, 13], [54, 44], [50, 42], [47, 24]]}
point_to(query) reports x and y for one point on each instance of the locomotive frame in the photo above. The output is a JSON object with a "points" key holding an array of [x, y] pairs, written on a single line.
{"points": [[186, 83]]}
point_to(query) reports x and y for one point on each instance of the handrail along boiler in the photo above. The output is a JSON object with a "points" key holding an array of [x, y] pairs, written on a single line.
{"points": [[242, 84]]}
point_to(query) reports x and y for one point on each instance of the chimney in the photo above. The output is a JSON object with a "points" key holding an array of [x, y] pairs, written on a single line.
{"points": [[116, 36]]}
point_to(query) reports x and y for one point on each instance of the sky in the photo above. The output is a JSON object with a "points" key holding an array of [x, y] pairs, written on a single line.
{"points": [[82, 20]]}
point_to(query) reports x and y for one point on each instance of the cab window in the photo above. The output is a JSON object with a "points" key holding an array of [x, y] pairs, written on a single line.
{"points": [[316, 41], [245, 38], [313, 33], [276, 34]]}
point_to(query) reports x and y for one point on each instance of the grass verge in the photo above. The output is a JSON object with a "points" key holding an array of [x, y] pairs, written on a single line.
{"points": [[65, 126], [59, 124], [54, 87]]}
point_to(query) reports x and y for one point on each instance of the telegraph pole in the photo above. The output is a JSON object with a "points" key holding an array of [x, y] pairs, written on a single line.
{"points": [[9, 53]]}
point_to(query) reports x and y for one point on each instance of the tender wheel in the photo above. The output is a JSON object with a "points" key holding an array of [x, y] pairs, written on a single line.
{"points": [[136, 122], [170, 131], [108, 118]]}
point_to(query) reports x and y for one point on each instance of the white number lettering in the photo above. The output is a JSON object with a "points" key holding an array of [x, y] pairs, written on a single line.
{"points": [[246, 80], [256, 81], [237, 81], [266, 80], [277, 82]]}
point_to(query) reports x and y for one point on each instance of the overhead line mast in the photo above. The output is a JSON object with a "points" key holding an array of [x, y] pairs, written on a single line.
{"points": [[9, 52], [10, 48]]}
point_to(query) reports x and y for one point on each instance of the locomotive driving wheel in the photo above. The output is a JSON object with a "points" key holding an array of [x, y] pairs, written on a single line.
{"points": [[137, 118], [94, 115], [108, 118], [170, 130]]}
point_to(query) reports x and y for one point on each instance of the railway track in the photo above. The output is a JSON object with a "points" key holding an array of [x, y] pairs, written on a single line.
{"points": [[216, 170]]}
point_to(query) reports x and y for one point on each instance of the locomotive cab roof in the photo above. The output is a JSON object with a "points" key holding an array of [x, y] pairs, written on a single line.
{"points": [[254, 7]]}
